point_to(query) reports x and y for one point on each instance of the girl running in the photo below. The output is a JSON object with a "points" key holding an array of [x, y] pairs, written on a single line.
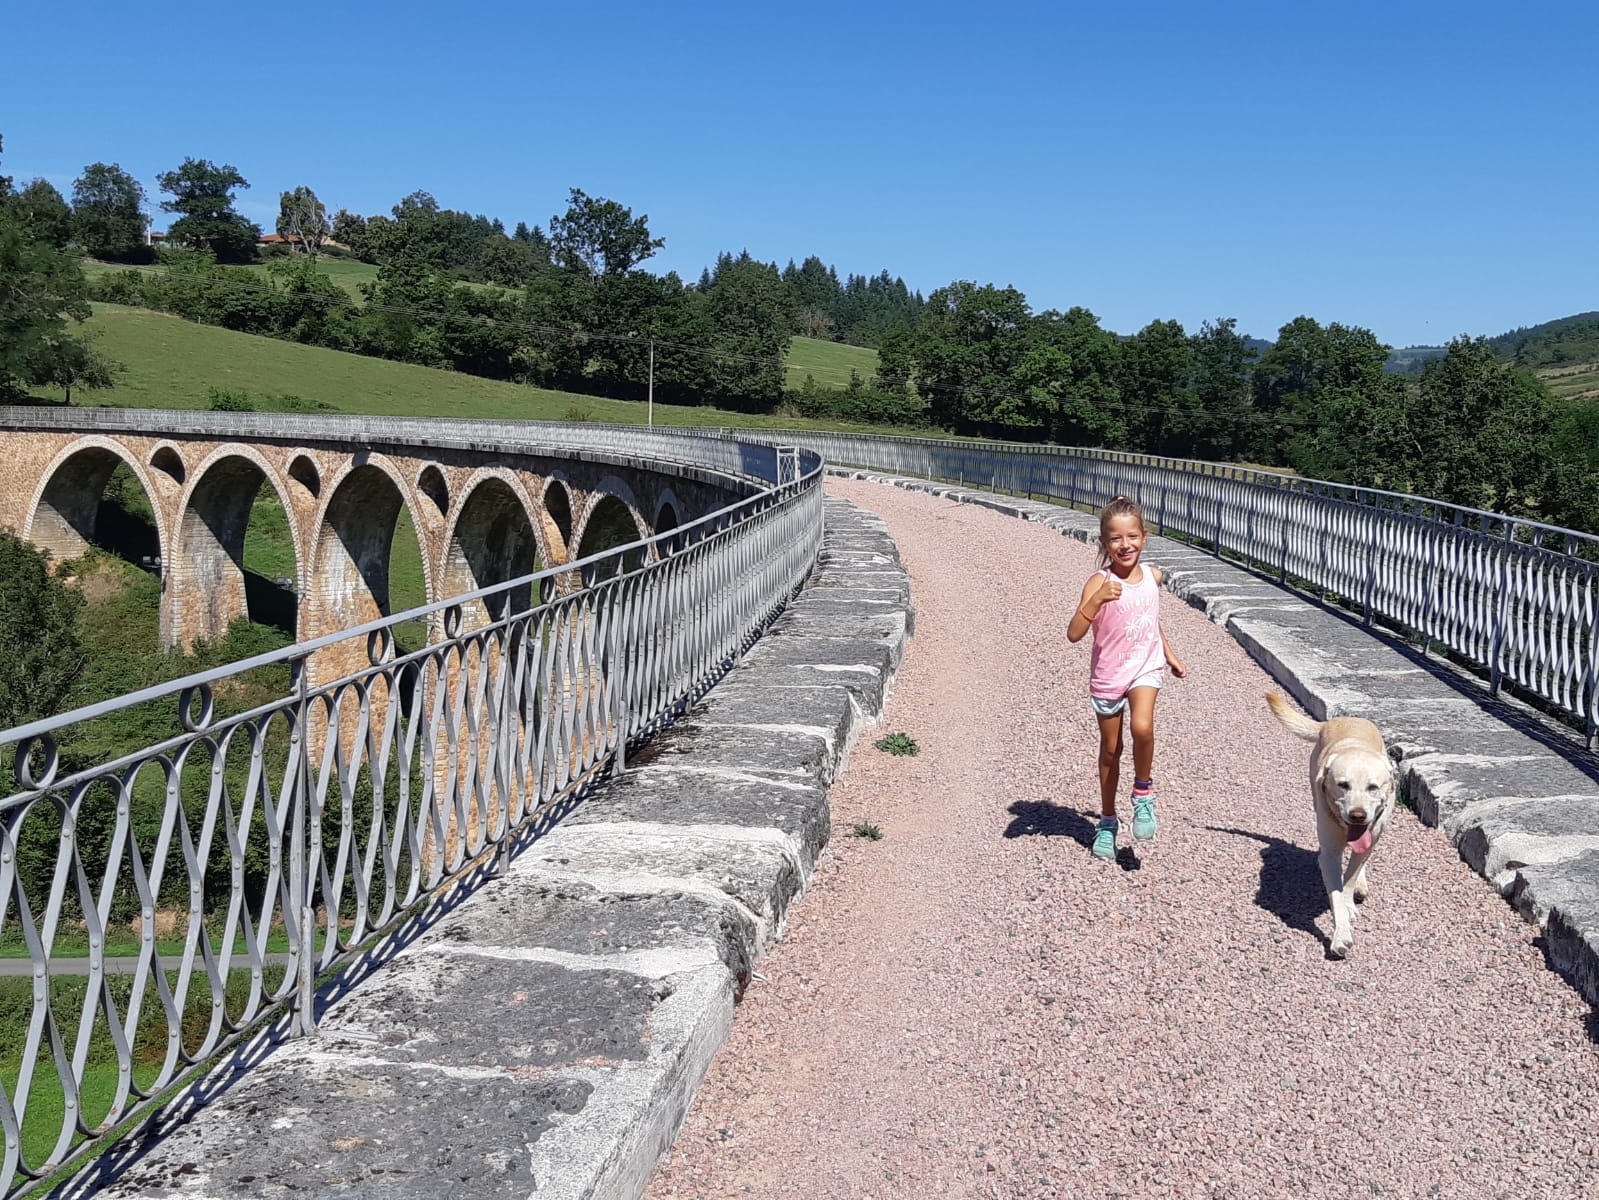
{"points": [[1121, 604]]}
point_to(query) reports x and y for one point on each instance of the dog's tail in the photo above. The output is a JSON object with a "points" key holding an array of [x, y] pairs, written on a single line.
{"points": [[1298, 724]]}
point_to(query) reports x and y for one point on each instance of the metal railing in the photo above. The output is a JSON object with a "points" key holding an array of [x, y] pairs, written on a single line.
{"points": [[276, 825], [1517, 598]]}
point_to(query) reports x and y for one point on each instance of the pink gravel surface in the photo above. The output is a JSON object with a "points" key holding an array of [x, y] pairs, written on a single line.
{"points": [[973, 1006]]}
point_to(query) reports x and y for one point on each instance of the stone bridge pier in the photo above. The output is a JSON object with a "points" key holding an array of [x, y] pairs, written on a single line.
{"points": [[481, 516]]}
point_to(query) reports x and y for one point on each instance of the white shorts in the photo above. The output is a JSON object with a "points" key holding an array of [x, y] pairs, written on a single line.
{"points": [[1109, 708]]}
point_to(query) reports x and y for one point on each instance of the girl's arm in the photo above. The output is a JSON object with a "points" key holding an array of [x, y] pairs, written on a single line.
{"points": [[1178, 667], [1087, 608]]}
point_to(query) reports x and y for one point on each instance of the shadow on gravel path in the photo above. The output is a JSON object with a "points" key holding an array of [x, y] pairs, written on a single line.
{"points": [[1290, 882], [1042, 818]]}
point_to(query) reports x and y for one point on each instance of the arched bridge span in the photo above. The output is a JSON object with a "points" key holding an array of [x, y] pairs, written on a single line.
{"points": [[484, 511]]}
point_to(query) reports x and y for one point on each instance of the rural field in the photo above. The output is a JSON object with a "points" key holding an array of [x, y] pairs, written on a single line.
{"points": [[172, 363], [1579, 381]]}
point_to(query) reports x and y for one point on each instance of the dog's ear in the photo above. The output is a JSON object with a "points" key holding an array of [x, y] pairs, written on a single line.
{"points": [[1324, 780]]}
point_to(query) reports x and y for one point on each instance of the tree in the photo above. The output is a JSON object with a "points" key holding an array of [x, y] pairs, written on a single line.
{"points": [[1306, 371], [1480, 433], [751, 315], [202, 193], [965, 355], [1573, 499], [1222, 368], [349, 230], [108, 214], [303, 219], [41, 289], [5, 180], [509, 261], [1071, 368], [1156, 367], [38, 615], [44, 214], [600, 237]]}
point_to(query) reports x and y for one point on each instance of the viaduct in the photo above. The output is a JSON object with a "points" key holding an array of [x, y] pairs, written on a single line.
{"points": [[482, 514]]}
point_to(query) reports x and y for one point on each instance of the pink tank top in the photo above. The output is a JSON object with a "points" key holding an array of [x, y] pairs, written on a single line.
{"points": [[1127, 641]]}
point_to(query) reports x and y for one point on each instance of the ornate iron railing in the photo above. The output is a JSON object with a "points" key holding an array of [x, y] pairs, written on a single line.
{"points": [[1517, 598], [303, 803]]}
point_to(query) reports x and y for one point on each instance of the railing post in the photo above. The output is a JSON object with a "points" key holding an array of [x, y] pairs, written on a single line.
{"points": [[1590, 706], [1282, 543], [1495, 671], [1371, 567], [302, 872], [616, 650]]}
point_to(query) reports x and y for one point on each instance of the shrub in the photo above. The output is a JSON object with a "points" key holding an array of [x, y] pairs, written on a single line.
{"points": [[223, 400]]}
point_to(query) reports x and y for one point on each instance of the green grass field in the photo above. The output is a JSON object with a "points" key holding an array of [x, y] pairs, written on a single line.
{"points": [[172, 363], [829, 363]]}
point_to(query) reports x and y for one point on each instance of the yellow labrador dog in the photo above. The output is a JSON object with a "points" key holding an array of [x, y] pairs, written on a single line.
{"points": [[1352, 785]]}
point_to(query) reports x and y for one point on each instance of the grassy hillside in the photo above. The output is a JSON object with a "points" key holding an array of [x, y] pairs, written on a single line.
{"points": [[829, 363], [1565, 340], [1563, 353], [172, 363]]}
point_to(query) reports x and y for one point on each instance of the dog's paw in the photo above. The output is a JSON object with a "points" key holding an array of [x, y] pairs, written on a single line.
{"points": [[1340, 945], [1360, 894]]}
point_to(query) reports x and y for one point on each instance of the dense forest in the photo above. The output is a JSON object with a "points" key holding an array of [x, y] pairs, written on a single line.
{"points": [[569, 304]]}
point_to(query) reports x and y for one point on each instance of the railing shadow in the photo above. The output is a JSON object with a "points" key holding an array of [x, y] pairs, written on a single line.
{"points": [[1290, 886], [123, 1155], [1043, 818]]}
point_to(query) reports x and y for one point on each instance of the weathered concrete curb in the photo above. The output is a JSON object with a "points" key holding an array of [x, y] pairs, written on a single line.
{"points": [[545, 1038], [1517, 794]]}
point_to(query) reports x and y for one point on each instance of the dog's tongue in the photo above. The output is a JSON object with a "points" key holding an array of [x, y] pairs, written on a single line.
{"points": [[1361, 844]]}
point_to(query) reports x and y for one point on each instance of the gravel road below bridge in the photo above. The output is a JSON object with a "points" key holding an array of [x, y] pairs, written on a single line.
{"points": [[973, 1006]]}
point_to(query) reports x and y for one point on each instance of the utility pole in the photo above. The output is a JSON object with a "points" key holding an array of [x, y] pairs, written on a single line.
{"points": [[651, 408]]}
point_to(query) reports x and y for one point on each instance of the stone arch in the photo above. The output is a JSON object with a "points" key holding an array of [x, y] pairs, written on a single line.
{"points": [[609, 487], [492, 537], [347, 566], [303, 471], [430, 482], [611, 518], [61, 515], [169, 462], [556, 501], [208, 587], [668, 515]]}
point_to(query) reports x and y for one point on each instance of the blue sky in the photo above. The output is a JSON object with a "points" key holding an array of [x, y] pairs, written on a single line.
{"points": [[1423, 169]]}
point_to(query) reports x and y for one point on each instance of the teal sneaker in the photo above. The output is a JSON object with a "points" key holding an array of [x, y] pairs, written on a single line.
{"points": [[1144, 817], [1105, 838]]}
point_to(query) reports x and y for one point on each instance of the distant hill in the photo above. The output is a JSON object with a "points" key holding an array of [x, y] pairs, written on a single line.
{"points": [[1565, 342], [1408, 360], [1563, 353]]}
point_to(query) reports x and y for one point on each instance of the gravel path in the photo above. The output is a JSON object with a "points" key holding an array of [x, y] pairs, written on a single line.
{"points": [[973, 1006]]}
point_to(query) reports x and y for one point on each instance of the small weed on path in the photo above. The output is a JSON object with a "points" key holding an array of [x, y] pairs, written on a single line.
{"points": [[897, 743], [865, 829]]}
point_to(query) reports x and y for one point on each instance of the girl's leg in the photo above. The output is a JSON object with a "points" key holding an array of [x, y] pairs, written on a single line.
{"points": [[1141, 716], [1110, 762]]}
